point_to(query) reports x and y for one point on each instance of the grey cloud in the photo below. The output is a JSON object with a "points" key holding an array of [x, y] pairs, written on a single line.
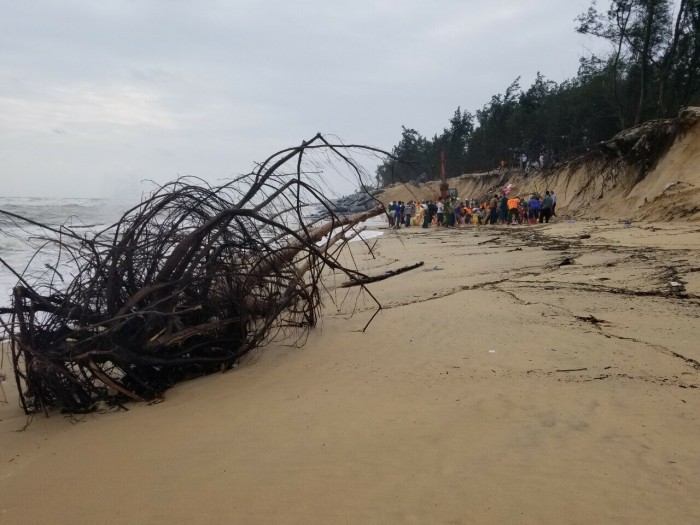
{"points": [[93, 94]]}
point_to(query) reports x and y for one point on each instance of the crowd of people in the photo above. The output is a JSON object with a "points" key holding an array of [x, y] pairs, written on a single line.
{"points": [[451, 212]]}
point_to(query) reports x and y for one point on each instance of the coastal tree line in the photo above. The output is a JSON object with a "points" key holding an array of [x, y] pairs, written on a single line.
{"points": [[652, 70]]}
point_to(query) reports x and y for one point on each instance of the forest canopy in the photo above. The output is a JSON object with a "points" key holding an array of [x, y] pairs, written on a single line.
{"points": [[652, 70]]}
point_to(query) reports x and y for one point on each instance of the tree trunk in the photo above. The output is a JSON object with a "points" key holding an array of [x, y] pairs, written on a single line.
{"points": [[668, 61], [644, 61]]}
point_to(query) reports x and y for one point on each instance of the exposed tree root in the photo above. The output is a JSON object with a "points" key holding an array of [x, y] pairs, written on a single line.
{"points": [[184, 284]]}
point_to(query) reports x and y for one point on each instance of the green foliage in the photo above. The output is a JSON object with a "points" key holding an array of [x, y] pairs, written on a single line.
{"points": [[652, 71], [655, 61], [421, 157]]}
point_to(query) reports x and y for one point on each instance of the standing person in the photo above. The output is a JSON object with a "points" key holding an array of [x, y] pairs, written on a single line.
{"points": [[409, 213], [546, 212], [431, 212], [440, 211], [427, 214], [493, 206], [392, 213], [467, 214], [503, 211], [541, 160], [486, 215], [502, 167], [450, 207], [554, 203], [458, 213], [513, 205], [400, 209], [534, 209], [419, 213]]}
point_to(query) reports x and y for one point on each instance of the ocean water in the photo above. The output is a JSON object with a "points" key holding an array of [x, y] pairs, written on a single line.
{"points": [[23, 245]]}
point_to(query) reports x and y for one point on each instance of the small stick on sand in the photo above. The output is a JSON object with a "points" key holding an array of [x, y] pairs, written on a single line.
{"points": [[381, 277]]}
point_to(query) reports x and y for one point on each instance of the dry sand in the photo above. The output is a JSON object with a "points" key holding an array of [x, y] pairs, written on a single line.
{"points": [[496, 386]]}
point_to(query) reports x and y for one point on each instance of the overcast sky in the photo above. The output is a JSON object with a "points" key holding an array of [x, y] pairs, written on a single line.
{"points": [[96, 95]]}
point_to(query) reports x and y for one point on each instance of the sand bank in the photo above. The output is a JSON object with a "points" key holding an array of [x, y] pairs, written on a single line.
{"points": [[498, 385], [663, 189]]}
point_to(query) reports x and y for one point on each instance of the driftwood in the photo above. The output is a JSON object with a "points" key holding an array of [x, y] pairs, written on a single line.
{"points": [[184, 284], [360, 281]]}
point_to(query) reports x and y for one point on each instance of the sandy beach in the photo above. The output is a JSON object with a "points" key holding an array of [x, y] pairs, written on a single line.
{"points": [[533, 374]]}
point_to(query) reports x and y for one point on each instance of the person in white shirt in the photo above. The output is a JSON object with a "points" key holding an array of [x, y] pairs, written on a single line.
{"points": [[440, 212]]}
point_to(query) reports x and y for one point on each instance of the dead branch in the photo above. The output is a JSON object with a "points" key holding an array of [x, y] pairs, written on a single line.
{"points": [[373, 279]]}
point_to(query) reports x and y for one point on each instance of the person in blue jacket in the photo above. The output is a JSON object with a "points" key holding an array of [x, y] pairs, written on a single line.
{"points": [[534, 207]]}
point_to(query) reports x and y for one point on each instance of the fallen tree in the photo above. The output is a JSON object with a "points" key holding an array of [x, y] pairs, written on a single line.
{"points": [[184, 284]]}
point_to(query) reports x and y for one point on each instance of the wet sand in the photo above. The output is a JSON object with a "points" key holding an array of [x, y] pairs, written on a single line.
{"points": [[497, 385]]}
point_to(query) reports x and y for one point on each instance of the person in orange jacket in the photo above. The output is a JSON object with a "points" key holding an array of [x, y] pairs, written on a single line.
{"points": [[513, 205]]}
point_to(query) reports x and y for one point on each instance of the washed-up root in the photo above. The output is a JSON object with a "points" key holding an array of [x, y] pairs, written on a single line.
{"points": [[183, 285]]}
